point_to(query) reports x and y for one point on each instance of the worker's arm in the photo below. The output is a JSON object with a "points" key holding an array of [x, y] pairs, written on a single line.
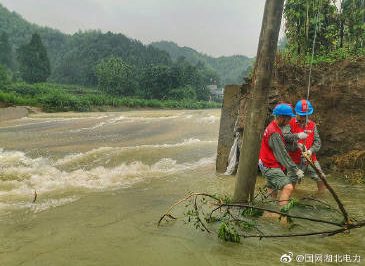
{"points": [[280, 153], [291, 139], [317, 142]]}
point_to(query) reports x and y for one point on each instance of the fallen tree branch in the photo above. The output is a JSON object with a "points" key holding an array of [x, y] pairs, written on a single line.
{"points": [[244, 224], [323, 233], [324, 203], [190, 195], [197, 216], [330, 189], [240, 205]]}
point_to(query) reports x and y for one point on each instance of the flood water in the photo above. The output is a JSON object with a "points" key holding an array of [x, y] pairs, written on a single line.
{"points": [[104, 179]]}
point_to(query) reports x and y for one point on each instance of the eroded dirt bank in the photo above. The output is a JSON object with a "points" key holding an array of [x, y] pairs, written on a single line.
{"points": [[338, 96]]}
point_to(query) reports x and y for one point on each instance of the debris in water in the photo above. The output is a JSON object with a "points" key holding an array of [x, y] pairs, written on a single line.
{"points": [[35, 196]]}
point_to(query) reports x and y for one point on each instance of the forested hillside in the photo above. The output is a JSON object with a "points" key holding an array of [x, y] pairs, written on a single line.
{"points": [[19, 31], [109, 62], [231, 69]]}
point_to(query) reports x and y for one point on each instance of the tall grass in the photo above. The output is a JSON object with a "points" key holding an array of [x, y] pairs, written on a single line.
{"points": [[329, 58], [60, 98]]}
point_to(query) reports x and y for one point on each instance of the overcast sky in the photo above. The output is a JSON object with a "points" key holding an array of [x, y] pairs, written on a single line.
{"points": [[215, 27]]}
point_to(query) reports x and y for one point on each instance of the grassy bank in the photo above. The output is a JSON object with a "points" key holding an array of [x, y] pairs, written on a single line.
{"points": [[338, 55], [61, 98]]}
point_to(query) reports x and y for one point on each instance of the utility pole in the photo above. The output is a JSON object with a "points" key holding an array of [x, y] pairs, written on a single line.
{"points": [[258, 102]]}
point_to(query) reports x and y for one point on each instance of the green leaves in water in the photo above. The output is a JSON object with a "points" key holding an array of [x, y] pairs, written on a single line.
{"points": [[286, 208], [251, 212], [193, 217], [227, 232], [290, 205], [214, 213], [226, 199]]}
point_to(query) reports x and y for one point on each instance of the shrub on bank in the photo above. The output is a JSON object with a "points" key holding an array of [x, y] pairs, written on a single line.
{"points": [[63, 98]]}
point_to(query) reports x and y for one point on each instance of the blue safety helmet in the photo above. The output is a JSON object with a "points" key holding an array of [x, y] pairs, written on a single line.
{"points": [[283, 109], [304, 107]]}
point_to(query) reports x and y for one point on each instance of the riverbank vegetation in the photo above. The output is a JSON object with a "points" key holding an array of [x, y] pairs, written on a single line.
{"points": [[105, 68], [178, 85], [332, 30], [62, 98], [80, 72]]}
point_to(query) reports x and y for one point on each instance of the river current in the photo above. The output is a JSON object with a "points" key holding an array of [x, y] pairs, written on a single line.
{"points": [[103, 180]]}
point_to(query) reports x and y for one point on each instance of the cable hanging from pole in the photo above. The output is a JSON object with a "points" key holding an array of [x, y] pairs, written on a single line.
{"points": [[313, 48]]}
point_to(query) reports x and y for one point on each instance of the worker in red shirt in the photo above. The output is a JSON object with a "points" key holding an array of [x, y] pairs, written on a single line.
{"points": [[274, 158], [304, 132]]}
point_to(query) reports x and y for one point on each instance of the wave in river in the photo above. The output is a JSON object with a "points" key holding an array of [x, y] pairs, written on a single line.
{"points": [[21, 175], [132, 119], [108, 151]]}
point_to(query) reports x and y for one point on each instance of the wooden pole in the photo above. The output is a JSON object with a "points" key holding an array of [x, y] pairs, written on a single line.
{"points": [[258, 102]]}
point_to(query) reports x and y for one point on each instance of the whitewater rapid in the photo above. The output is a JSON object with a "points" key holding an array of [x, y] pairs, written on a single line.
{"points": [[108, 151]]}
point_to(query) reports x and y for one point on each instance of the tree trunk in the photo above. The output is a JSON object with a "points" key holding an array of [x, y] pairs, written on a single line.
{"points": [[342, 26], [258, 103]]}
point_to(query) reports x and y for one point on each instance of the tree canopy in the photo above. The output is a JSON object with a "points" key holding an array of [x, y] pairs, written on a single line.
{"points": [[4, 77], [6, 52], [230, 69], [340, 26], [115, 77], [33, 60]]}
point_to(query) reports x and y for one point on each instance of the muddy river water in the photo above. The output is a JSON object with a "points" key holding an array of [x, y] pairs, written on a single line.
{"points": [[104, 179]]}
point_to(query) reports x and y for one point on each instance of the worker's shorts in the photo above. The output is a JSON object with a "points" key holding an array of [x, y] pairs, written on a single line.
{"points": [[308, 170], [276, 178]]}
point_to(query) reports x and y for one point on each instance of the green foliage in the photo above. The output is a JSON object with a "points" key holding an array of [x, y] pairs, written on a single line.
{"points": [[336, 55], [56, 101], [229, 69], [182, 93], [226, 199], [301, 21], [76, 62], [193, 217], [116, 64], [352, 18], [286, 208], [156, 81], [4, 78], [235, 221], [246, 225], [6, 53], [227, 232], [340, 29], [55, 98], [33, 61], [115, 77], [13, 98], [181, 80], [292, 202], [251, 212]]}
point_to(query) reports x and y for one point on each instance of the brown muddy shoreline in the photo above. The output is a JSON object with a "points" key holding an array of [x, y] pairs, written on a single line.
{"points": [[14, 112]]}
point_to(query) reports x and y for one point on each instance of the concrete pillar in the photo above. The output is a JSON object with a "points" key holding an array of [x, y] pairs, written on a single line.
{"points": [[231, 101]]}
